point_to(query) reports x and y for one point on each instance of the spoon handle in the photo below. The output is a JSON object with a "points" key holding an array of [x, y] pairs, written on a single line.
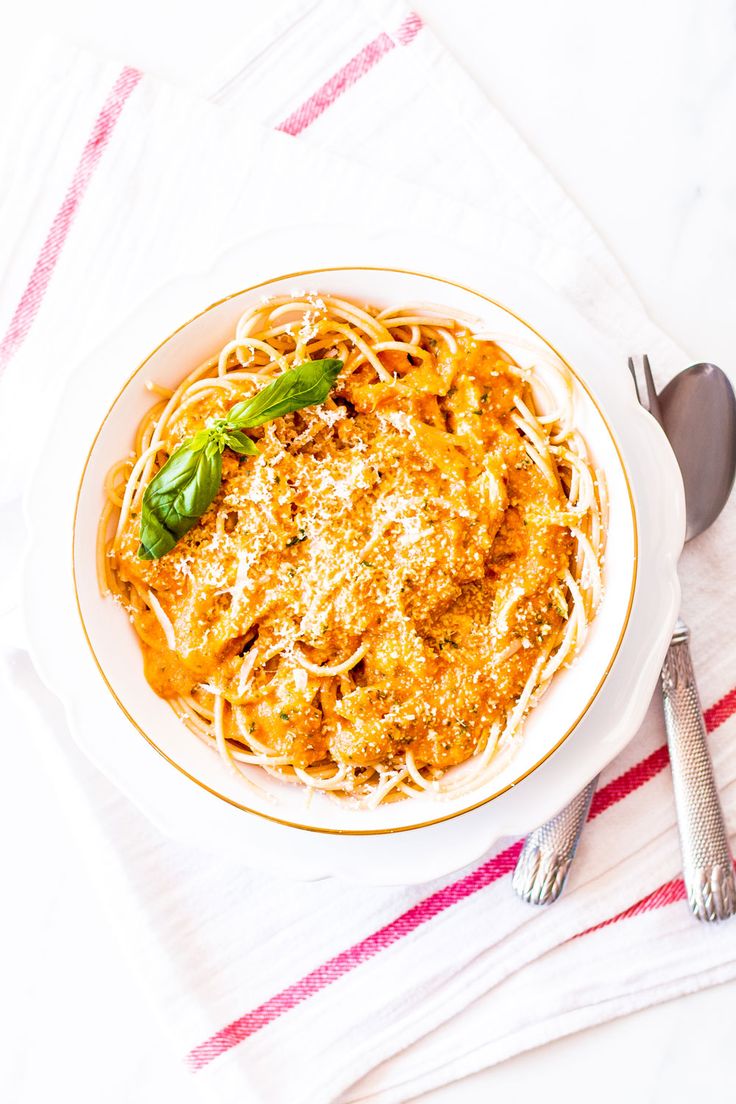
{"points": [[548, 851], [707, 865]]}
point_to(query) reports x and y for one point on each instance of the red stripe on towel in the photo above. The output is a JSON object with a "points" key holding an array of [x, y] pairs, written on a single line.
{"points": [[43, 269], [349, 75], [409, 29], [665, 894], [240, 1029], [721, 711], [630, 780]]}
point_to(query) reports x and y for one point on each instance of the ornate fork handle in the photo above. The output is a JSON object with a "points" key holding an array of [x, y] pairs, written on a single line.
{"points": [[707, 865], [548, 851]]}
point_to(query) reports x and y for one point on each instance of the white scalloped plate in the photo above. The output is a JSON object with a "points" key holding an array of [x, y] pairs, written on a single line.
{"points": [[608, 705]]}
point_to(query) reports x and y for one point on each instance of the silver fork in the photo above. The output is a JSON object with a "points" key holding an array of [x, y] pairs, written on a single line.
{"points": [[548, 851]]}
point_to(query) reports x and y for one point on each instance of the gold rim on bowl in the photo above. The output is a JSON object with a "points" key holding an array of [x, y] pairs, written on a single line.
{"points": [[358, 831]]}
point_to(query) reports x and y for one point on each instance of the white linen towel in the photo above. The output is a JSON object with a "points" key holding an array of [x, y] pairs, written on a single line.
{"points": [[274, 991]]}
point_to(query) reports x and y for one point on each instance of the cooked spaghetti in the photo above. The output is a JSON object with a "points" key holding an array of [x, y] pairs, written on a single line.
{"points": [[386, 589]]}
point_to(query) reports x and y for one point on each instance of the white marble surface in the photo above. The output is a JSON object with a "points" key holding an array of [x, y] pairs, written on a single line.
{"points": [[633, 107]]}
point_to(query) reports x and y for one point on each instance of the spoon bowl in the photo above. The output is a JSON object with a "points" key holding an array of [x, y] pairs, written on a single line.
{"points": [[702, 395]]}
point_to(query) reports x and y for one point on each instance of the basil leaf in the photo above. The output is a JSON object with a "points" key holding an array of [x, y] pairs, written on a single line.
{"points": [[238, 442], [179, 494], [305, 385]]}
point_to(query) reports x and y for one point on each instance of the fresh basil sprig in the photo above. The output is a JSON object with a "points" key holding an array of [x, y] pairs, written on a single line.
{"points": [[184, 488]]}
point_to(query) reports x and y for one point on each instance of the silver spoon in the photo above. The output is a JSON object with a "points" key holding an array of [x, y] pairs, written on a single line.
{"points": [[699, 397]]}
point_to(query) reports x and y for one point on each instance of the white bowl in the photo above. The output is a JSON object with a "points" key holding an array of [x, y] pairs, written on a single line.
{"points": [[116, 648], [619, 660]]}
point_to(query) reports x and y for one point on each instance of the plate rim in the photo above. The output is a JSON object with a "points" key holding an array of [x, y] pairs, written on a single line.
{"points": [[186, 813]]}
